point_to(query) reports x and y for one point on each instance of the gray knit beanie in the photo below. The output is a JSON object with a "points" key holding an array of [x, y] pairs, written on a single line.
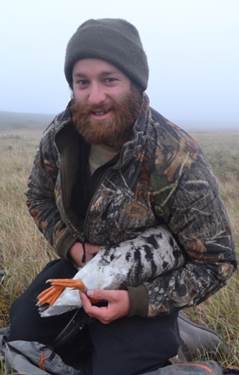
{"points": [[114, 40]]}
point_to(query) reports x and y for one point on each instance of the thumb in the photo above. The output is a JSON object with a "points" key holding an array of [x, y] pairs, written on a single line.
{"points": [[99, 294]]}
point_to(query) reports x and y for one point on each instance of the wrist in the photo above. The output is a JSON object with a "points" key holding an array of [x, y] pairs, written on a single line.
{"points": [[138, 301]]}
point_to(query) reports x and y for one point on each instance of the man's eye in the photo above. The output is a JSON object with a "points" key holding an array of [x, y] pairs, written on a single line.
{"points": [[82, 82], [110, 80]]}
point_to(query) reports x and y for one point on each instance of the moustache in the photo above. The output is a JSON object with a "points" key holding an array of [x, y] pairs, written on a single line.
{"points": [[87, 109]]}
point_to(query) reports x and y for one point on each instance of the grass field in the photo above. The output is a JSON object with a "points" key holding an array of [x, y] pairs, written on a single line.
{"points": [[23, 251]]}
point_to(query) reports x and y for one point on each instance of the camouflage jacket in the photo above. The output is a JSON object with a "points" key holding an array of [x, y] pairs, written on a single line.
{"points": [[161, 176]]}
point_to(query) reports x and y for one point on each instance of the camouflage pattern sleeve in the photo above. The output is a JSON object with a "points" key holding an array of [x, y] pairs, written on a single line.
{"points": [[196, 217], [41, 196]]}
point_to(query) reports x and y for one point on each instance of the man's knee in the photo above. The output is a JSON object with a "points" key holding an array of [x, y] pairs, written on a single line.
{"points": [[133, 345]]}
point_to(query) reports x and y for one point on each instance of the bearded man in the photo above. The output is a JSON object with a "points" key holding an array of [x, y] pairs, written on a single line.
{"points": [[108, 168]]}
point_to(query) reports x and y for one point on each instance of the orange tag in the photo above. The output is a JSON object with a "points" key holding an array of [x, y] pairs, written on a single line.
{"points": [[42, 361]]}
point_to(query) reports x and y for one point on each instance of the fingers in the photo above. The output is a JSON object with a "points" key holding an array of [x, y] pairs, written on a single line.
{"points": [[117, 304], [91, 251], [80, 252], [101, 294], [100, 313], [76, 253]]}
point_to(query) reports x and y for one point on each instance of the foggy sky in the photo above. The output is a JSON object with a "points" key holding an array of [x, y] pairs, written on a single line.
{"points": [[192, 48]]}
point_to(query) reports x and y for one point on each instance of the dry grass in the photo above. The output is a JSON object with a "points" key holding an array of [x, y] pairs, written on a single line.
{"points": [[221, 312], [23, 251]]}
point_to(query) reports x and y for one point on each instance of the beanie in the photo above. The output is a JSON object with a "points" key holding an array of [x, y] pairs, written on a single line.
{"points": [[114, 40]]}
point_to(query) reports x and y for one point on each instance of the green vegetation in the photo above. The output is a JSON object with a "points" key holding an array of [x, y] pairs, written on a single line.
{"points": [[23, 251]]}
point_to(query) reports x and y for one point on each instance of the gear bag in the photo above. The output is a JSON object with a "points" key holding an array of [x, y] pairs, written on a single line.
{"points": [[33, 358]]}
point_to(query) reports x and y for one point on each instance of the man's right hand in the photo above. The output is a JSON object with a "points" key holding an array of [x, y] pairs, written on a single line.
{"points": [[77, 253]]}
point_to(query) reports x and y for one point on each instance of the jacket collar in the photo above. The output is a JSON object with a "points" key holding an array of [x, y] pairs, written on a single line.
{"points": [[135, 147], [63, 119]]}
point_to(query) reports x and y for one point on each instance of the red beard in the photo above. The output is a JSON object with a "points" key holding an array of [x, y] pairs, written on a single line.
{"points": [[114, 131]]}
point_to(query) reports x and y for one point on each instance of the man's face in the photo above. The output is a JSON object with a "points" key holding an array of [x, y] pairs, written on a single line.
{"points": [[105, 103]]}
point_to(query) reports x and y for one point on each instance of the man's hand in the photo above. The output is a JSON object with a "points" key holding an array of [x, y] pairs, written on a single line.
{"points": [[117, 304], [77, 253]]}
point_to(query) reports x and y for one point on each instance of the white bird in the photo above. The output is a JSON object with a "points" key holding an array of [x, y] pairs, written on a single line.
{"points": [[130, 263]]}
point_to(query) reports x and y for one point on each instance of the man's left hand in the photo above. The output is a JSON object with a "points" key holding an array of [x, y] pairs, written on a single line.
{"points": [[117, 304]]}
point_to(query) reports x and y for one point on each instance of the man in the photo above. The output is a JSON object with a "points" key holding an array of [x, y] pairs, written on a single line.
{"points": [[108, 168]]}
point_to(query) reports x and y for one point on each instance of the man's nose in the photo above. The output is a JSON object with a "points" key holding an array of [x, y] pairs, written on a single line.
{"points": [[96, 94]]}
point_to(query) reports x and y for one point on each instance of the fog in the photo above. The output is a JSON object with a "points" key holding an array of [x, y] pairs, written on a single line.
{"points": [[192, 48]]}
